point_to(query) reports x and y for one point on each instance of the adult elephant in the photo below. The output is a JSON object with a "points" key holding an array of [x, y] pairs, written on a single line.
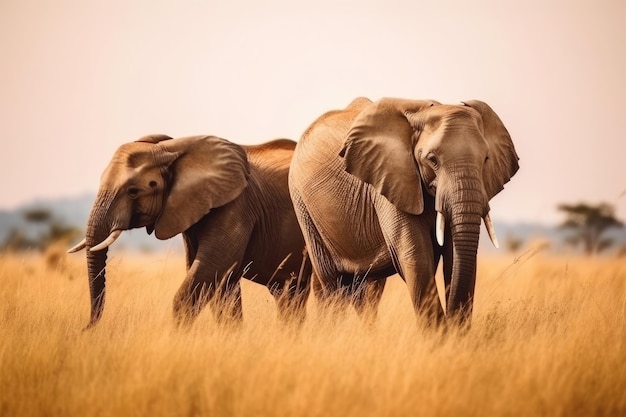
{"points": [[230, 202], [393, 186]]}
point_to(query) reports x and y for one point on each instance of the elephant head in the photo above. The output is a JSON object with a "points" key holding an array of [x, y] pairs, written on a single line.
{"points": [[460, 154], [163, 184]]}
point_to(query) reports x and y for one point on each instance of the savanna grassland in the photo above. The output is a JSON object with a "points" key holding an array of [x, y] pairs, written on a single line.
{"points": [[548, 339]]}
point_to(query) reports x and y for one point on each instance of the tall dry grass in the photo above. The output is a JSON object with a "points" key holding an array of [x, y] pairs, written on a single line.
{"points": [[548, 339]]}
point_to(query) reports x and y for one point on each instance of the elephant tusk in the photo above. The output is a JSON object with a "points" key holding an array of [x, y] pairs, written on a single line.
{"points": [[491, 231], [80, 246], [439, 227], [107, 242]]}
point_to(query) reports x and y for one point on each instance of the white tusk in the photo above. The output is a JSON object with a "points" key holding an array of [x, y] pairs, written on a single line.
{"points": [[439, 227], [107, 242], [491, 231], [79, 246]]}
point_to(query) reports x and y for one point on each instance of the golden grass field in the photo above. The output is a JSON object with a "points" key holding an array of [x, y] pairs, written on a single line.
{"points": [[548, 339]]}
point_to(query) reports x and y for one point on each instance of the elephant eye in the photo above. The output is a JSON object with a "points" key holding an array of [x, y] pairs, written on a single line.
{"points": [[153, 184], [133, 192], [432, 159], [486, 158]]}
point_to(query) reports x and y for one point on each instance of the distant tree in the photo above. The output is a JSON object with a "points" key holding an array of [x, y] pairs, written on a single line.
{"points": [[58, 230], [37, 215], [50, 228], [589, 223]]}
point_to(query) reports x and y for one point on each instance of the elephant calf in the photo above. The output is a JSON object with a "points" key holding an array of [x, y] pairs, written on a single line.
{"points": [[230, 202]]}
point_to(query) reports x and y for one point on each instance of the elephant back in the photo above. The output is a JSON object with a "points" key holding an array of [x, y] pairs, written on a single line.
{"points": [[269, 167], [274, 155]]}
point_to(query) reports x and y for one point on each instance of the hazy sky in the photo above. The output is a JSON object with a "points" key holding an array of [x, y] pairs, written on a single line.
{"points": [[79, 78]]}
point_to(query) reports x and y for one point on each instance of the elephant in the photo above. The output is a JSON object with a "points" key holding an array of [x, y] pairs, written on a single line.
{"points": [[393, 186], [232, 206]]}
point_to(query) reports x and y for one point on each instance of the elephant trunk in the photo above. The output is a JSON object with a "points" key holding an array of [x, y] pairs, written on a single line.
{"points": [[465, 234], [98, 228], [464, 206], [96, 265]]}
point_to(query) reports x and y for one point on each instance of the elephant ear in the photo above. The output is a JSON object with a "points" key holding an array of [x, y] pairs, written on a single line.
{"points": [[503, 160], [209, 172], [379, 151]]}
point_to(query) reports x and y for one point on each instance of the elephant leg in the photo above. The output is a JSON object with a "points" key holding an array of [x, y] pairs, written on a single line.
{"points": [[332, 297], [227, 305], [367, 298], [191, 297], [220, 240], [423, 291], [336, 295], [411, 249], [328, 284], [188, 300], [291, 298], [196, 291], [292, 292], [190, 239]]}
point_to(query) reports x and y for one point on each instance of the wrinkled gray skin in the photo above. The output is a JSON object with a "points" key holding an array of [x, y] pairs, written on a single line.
{"points": [[231, 204], [367, 183]]}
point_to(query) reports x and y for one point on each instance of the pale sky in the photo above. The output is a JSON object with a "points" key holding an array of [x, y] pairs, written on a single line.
{"points": [[79, 78]]}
